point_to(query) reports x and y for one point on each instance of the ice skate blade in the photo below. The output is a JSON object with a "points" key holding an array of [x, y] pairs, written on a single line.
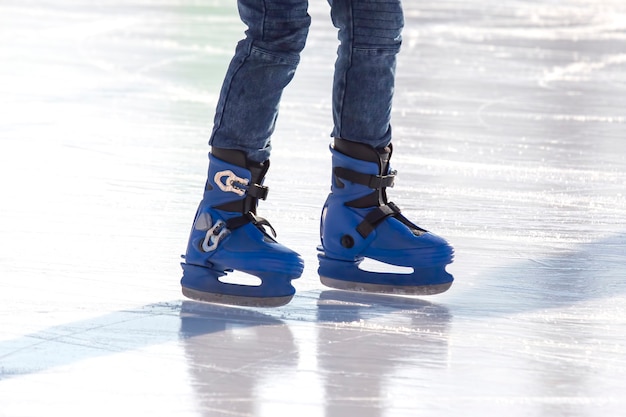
{"points": [[203, 284], [385, 289], [346, 275], [235, 300]]}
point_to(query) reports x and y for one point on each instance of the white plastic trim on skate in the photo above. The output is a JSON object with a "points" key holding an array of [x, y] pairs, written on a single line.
{"points": [[229, 185], [241, 278], [373, 265]]}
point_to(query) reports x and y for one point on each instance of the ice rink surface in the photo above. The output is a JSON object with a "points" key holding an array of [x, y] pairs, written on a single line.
{"points": [[510, 141]]}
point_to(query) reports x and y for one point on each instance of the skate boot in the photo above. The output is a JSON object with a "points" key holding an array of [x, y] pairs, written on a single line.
{"points": [[227, 235], [358, 223]]}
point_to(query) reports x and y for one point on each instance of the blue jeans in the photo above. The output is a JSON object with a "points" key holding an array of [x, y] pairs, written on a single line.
{"points": [[265, 61]]}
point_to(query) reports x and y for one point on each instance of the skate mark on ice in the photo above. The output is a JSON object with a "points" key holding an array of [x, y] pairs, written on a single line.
{"points": [[593, 271], [72, 342]]}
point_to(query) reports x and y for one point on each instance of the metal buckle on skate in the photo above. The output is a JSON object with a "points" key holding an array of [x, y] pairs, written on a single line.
{"points": [[232, 183], [214, 236]]}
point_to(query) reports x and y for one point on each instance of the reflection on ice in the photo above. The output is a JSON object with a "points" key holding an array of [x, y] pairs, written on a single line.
{"points": [[232, 354]]}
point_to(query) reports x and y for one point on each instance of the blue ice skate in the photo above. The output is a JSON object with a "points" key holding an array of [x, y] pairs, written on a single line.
{"points": [[227, 236], [358, 222]]}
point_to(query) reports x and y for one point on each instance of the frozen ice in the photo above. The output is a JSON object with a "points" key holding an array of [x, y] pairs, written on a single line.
{"points": [[509, 126]]}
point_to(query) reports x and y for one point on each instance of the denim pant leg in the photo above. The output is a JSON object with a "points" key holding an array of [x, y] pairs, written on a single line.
{"points": [[264, 63], [363, 86]]}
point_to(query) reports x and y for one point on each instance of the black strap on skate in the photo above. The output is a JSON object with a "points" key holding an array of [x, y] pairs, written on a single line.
{"points": [[257, 191], [375, 217], [253, 192], [249, 217], [375, 182]]}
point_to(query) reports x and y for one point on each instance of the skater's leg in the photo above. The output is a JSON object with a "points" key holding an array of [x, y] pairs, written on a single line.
{"points": [[363, 86], [227, 235], [263, 64], [358, 221]]}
